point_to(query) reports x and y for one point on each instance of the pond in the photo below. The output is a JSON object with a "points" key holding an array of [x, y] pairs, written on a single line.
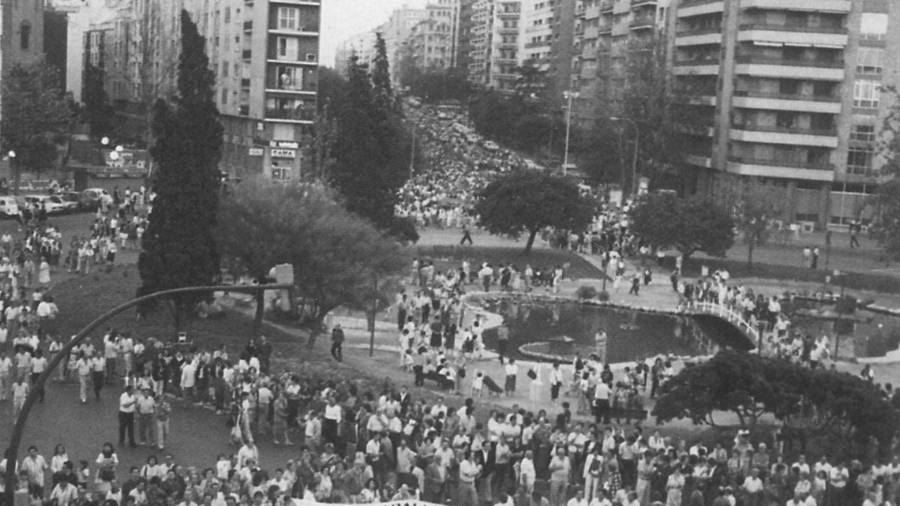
{"points": [[631, 335]]}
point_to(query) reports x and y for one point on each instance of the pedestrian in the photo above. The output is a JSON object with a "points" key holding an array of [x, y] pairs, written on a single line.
{"points": [[146, 408], [162, 413], [38, 366], [512, 373], [814, 262], [5, 369], [559, 477], [466, 236], [127, 402], [502, 340], [20, 391], [337, 343], [98, 368], [107, 462], [635, 284]]}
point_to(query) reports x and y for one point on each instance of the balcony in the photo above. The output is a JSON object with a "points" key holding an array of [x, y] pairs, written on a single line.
{"points": [[509, 15], [699, 160], [705, 37], [783, 68], [246, 54], [776, 169], [506, 30], [784, 135], [690, 8], [774, 101], [793, 35], [306, 3], [642, 23], [781, 163], [245, 82], [837, 6], [248, 26], [304, 30], [299, 115], [607, 6], [642, 3], [604, 29]]}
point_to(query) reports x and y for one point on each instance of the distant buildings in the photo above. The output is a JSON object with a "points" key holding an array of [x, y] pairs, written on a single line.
{"points": [[265, 56]]}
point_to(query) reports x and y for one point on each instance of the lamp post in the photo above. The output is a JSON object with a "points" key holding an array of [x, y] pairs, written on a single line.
{"points": [[569, 96], [634, 159]]}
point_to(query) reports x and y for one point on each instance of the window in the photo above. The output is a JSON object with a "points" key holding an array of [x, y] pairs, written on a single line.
{"points": [[287, 48], [870, 60], [224, 96], [281, 174], [873, 26], [863, 133], [287, 18], [224, 69], [866, 93], [25, 35], [859, 160], [228, 14]]}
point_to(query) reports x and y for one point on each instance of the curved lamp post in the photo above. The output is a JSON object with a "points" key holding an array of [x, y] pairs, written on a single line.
{"points": [[16, 437]]}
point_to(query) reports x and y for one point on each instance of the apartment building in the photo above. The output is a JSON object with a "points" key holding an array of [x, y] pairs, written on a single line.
{"points": [[396, 33], [22, 25], [494, 43], [792, 93], [360, 46], [607, 33], [264, 54], [546, 44]]}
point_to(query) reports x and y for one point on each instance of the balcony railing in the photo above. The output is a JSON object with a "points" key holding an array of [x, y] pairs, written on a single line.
{"points": [[291, 114], [698, 61], [643, 22], [796, 164], [768, 60], [641, 3], [828, 132], [792, 28], [686, 3], [701, 30], [606, 5], [786, 96]]}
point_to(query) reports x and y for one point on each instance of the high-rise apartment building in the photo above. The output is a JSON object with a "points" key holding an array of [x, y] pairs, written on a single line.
{"points": [[792, 93], [494, 43], [396, 32], [607, 34], [546, 39], [264, 54], [360, 46]]}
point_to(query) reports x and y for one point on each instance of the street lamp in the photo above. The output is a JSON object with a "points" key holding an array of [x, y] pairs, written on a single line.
{"points": [[634, 160], [569, 96]]}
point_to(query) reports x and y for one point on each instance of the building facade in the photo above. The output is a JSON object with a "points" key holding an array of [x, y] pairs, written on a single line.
{"points": [[264, 54], [792, 93], [432, 42]]}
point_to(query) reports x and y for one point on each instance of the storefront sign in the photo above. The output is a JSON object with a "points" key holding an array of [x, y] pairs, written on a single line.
{"points": [[283, 153], [256, 151]]}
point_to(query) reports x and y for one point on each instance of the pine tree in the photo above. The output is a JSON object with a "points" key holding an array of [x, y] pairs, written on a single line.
{"points": [[381, 78], [178, 248]]}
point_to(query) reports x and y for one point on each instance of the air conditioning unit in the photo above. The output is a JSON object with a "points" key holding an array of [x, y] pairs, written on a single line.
{"points": [[312, 57]]}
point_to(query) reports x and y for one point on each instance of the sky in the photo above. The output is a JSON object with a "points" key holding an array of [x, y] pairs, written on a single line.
{"points": [[341, 19]]}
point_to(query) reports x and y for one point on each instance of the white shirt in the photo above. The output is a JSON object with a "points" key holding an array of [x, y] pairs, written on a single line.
{"points": [[126, 403], [334, 412]]}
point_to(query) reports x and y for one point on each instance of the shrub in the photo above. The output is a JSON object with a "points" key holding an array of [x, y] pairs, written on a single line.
{"points": [[586, 292], [603, 296]]}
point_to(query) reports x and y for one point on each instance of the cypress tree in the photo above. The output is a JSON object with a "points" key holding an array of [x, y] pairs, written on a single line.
{"points": [[178, 247]]}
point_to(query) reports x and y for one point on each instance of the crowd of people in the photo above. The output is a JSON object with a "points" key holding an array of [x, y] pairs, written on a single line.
{"points": [[359, 444]]}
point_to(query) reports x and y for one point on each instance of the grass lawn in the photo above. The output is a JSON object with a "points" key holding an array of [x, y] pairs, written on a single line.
{"points": [[445, 257], [82, 299]]}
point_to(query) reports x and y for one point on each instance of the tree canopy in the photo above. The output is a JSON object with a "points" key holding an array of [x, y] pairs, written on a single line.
{"points": [[686, 224], [371, 146], [527, 201], [36, 116], [339, 259], [887, 225], [819, 401], [178, 247], [755, 206]]}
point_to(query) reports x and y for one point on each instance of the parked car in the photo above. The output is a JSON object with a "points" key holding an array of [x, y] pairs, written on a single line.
{"points": [[92, 196], [8, 207], [75, 200], [66, 206], [52, 204]]}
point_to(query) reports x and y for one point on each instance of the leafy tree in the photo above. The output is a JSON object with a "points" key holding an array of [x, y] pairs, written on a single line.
{"points": [[887, 225], [835, 405], [371, 148], [755, 206], [339, 259], [528, 201], [381, 77], [36, 117], [98, 112], [440, 85], [178, 247], [687, 224]]}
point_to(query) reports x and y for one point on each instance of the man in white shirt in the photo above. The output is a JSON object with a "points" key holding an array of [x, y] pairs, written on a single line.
{"points": [[577, 500], [5, 370], [127, 406], [38, 366], [146, 408], [512, 373], [188, 380]]}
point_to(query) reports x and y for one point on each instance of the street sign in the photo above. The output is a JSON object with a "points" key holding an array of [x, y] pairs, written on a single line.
{"points": [[283, 153], [255, 151]]}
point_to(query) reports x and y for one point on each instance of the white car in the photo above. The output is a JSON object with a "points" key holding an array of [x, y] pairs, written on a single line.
{"points": [[51, 206], [8, 207]]}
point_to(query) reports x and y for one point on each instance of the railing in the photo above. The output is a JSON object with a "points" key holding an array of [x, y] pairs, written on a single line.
{"points": [[729, 315], [789, 28], [698, 61], [781, 163], [786, 96], [829, 132], [786, 61], [700, 30]]}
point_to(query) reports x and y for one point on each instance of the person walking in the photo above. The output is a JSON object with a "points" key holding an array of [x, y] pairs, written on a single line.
{"points": [[98, 372], [38, 366], [466, 237], [502, 340], [162, 413], [337, 343], [5, 369], [127, 406], [146, 408], [559, 477], [83, 368]]}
